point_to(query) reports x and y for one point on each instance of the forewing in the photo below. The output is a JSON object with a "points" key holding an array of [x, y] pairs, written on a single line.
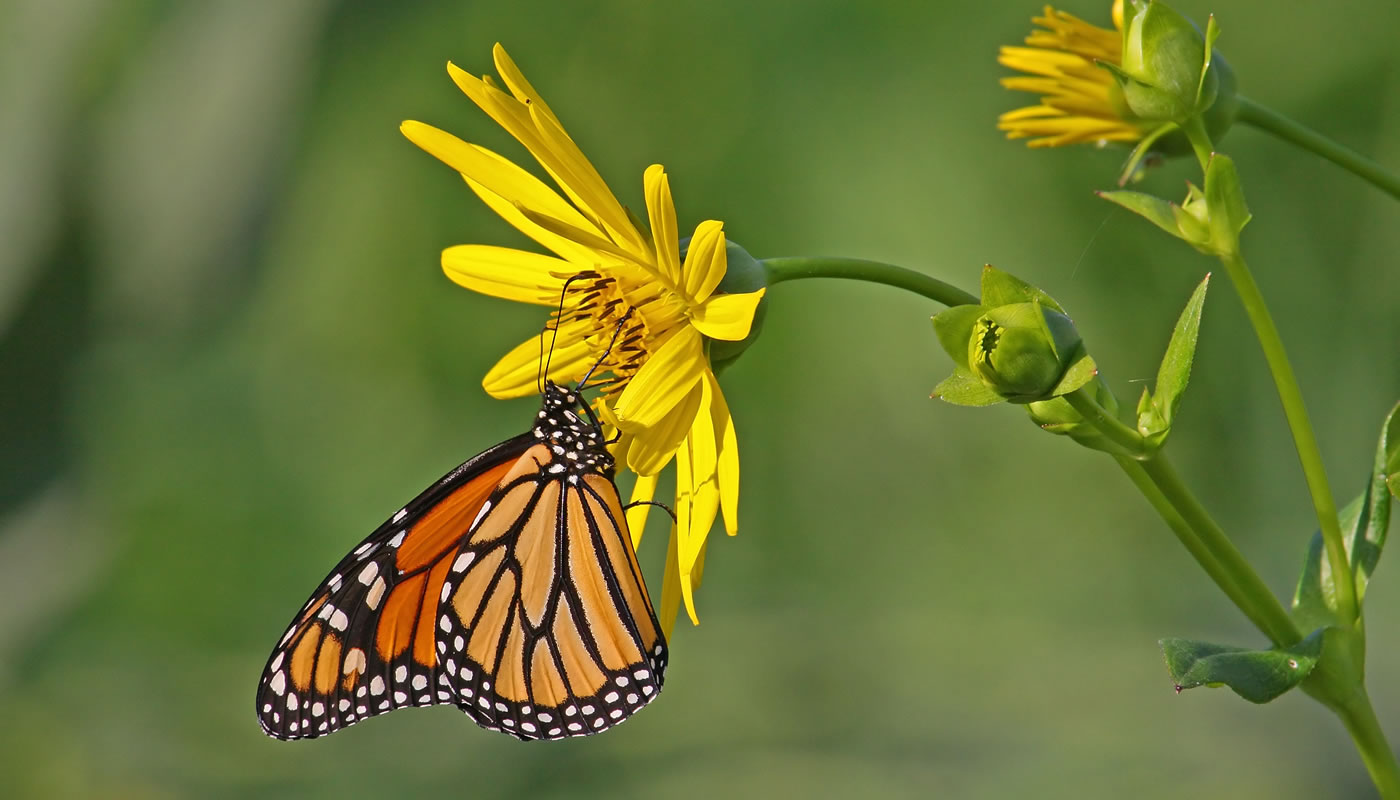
{"points": [[364, 643]]}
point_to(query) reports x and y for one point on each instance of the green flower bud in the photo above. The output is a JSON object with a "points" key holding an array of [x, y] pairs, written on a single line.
{"points": [[1022, 350], [744, 274], [1163, 58]]}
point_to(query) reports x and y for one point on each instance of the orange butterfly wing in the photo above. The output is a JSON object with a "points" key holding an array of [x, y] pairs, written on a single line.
{"points": [[509, 588]]}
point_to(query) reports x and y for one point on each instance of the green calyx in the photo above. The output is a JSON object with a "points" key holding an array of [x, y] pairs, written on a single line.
{"points": [[1018, 346], [1168, 72]]}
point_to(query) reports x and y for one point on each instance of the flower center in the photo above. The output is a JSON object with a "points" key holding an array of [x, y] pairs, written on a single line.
{"points": [[615, 327]]}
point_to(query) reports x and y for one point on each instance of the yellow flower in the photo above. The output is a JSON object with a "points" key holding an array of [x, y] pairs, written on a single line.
{"points": [[626, 301], [1080, 102]]}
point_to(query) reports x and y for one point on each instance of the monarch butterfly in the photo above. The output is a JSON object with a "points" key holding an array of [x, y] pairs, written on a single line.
{"points": [[509, 589]]}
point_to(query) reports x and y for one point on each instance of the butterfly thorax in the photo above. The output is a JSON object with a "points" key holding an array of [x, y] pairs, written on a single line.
{"points": [[576, 441]]}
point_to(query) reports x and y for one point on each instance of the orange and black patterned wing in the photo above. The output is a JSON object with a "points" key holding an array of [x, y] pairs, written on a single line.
{"points": [[509, 589], [547, 629], [364, 643]]}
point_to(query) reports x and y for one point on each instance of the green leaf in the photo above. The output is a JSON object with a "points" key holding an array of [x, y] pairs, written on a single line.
{"points": [[1002, 289], [1152, 208], [1175, 370], [962, 388], [953, 327], [1225, 200], [1364, 522], [1256, 675]]}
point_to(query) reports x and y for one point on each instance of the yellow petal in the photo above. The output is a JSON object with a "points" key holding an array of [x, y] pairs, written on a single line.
{"points": [[688, 594], [670, 589], [510, 274], [515, 81], [727, 471], [697, 482], [540, 132], [662, 213], [661, 383], [686, 532], [518, 373], [726, 316], [705, 260], [578, 178], [653, 447], [640, 507], [496, 175]]}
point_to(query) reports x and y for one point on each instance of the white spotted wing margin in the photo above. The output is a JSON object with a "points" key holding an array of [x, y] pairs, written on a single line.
{"points": [[548, 631], [329, 669]]}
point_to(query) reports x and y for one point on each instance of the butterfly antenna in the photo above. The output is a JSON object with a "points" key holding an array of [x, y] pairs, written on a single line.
{"points": [[604, 357], [545, 358]]}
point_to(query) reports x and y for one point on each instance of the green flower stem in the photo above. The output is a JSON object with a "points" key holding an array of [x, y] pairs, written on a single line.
{"points": [[1265, 119], [858, 269], [1286, 383], [1365, 729], [1256, 601], [1183, 530], [1195, 130], [1198, 532], [1303, 438], [1109, 425]]}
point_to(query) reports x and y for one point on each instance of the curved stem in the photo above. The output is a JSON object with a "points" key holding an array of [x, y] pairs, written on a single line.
{"points": [[1256, 601], [1309, 454], [1109, 425], [859, 269], [1197, 531], [1265, 119]]}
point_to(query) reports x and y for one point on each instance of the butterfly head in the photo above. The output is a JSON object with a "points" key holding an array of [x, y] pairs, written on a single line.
{"points": [[576, 439]]}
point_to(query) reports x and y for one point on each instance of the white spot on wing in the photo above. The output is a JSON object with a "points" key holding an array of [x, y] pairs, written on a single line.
{"points": [[376, 593], [368, 574], [485, 508]]}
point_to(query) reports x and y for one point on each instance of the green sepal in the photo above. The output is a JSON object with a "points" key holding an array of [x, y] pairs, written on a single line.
{"points": [[1002, 289], [1080, 372], [1182, 222], [1157, 410], [953, 327], [1364, 523], [1227, 213], [962, 388], [1132, 168], [1212, 33], [1256, 675], [1152, 208]]}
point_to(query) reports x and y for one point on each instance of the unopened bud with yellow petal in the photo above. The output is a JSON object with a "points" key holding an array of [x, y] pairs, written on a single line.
{"points": [[1165, 73]]}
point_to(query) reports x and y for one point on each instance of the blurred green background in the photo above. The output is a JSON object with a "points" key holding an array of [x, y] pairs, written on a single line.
{"points": [[227, 352]]}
